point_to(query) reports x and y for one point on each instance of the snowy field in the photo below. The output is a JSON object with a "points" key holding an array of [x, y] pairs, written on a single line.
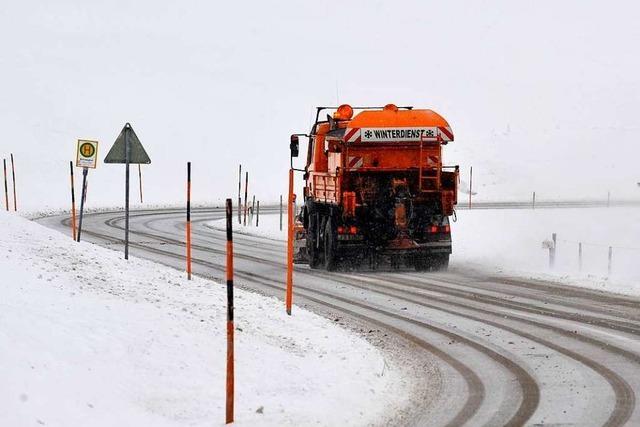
{"points": [[510, 241], [88, 339]]}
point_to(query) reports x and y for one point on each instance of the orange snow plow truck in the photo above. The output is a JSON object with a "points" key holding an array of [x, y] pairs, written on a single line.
{"points": [[375, 188]]}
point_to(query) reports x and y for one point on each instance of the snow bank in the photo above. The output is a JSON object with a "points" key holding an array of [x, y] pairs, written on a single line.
{"points": [[89, 339], [510, 241]]}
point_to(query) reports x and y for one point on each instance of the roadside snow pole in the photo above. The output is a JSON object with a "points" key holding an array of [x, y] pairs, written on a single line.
{"points": [[289, 295], [258, 214], [13, 180], [85, 171], [189, 220], [246, 185], [73, 204], [253, 209], [470, 184], [230, 367], [552, 252], [239, 194], [281, 212], [6, 189], [609, 263], [140, 180], [608, 198], [580, 256]]}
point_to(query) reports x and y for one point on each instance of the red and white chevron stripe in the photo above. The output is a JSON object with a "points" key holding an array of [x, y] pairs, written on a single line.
{"points": [[446, 133], [355, 162], [352, 135]]}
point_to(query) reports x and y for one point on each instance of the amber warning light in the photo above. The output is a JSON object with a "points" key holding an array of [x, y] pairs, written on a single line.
{"points": [[344, 112]]}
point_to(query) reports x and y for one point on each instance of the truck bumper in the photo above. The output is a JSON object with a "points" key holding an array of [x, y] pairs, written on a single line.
{"points": [[439, 247]]}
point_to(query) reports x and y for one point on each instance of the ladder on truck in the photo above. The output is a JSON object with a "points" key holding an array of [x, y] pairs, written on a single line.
{"points": [[429, 175]]}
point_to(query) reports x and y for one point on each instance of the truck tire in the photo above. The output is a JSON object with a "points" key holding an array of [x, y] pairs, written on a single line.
{"points": [[330, 247], [441, 262], [422, 262], [312, 238]]}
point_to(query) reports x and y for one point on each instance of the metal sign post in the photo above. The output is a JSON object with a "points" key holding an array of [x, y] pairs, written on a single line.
{"points": [[86, 157], [127, 149], [140, 180], [127, 157]]}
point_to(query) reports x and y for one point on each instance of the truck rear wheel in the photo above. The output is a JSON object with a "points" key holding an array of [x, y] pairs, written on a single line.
{"points": [[441, 262], [421, 262], [330, 247]]}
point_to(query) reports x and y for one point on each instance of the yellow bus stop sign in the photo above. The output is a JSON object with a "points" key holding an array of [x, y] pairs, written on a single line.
{"points": [[87, 156]]}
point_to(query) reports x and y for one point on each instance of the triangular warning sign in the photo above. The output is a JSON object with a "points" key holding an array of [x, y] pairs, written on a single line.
{"points": [[137, 154]]}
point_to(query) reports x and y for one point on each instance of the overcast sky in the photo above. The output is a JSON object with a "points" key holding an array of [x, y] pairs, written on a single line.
{"points": [[541, 95]]}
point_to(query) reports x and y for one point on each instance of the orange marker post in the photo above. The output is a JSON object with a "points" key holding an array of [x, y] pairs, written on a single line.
{"points": [[13, 180], [289, 295], [230, 357], [73, 204], [240, 194], [6, 188], [189, 220]]}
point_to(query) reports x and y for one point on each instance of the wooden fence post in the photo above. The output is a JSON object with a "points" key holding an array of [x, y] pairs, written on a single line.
{"points": [[580, 256], [533, 203], [552, 252], [470, 184]]}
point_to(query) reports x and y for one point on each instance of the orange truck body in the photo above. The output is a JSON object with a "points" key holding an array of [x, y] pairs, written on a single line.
{"points": [[375, 184]]}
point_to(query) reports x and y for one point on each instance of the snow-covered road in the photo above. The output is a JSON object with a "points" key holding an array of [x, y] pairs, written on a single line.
{"points": [[484, 349]]}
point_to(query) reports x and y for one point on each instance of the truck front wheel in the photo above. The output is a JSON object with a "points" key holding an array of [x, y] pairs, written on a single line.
{"points": [[312, 239]]}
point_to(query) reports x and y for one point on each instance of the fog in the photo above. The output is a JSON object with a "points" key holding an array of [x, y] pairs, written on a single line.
{"points": [[542, 96]]}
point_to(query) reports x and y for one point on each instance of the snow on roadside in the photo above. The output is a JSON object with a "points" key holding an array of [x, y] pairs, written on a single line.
{"points": [[89, 339], [510, 241]]}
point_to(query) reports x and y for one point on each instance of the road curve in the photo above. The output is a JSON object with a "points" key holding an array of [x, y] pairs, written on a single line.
{"points": [[502, 351]]}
